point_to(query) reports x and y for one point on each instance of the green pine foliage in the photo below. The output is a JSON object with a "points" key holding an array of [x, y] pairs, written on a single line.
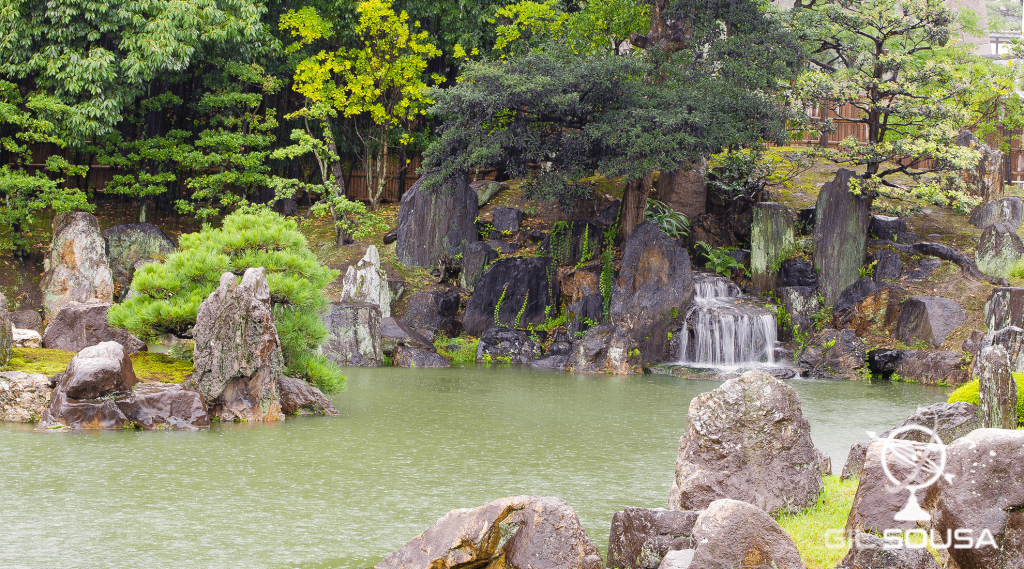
{"points": [[166, 296]]}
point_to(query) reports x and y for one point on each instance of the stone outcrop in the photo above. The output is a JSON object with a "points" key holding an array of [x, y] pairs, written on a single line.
{"points": [[888, 267], [475, 259], [165, 406], [576, 283], [26, 338], [1008, 210], [23, 397], [1005, 308], [353, 334], [301, 398], [840, 236], [523, 532], [27, 320], [834, 354], [888, 228], [367, 282], [878, 500], [929, 319], [801, 304], [853, 295], [237, 357], [1011, 338], [684, 190], [772, 237], [502, 345], [435, 311], [394, 333], [405, 356], [732, 534], [873, 552], [932, 367], [523, 287], [6, 333], [82, 324], [604, 348], [584, 313], [506, 219], [999, 249], [573, 242], [874, 313], [985, 492], [130, 243], [653, 290], [748, 440], [996, 388], [640, 537], [985, 180], [797, 272], [431, 225], [76, 267]]}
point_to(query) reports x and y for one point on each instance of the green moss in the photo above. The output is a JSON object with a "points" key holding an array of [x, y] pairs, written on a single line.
{"points": [[970, 393], [39, 360], [464, 354], [148, 366], [807, 528]]}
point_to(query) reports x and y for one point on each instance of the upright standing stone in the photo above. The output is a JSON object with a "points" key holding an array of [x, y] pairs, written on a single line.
{"points": [[930, 319], [353, 334], [840, 236], [999, 249], [76, 268], [1009, 210], [6, 333], [685, 190], [997, 389], [366, 282], [442, 222], [130, 243], [1005, 308], [772, 237], [513, 291], [985, 180], [475, 260]]}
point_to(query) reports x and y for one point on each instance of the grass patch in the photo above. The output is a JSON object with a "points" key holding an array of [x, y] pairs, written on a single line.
{"points": [[970, 392], [465, 353], [40, 360], [807, 528], [148, 366]]}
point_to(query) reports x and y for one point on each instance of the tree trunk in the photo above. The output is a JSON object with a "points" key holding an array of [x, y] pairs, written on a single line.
{"points": [[634, 205], [341, 238]]}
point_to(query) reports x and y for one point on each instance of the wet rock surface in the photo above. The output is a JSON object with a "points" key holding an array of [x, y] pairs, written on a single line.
{"points": [[996, 388], [506, 219], [640, 537], [834, 354], [394, 332], [772, 237], [840, 236], [80, 325], [932, 367], [797, 272], [405, 356], [801, 304], [573, 242], [731, 534], [26, 338], [584, 313], [27, 320], [23, 397], [127, 244], [6, 333], [878, 500], [929, 319], [603, 348], [921, 270], [873, 552], [475, 259], [888, 267], [1005, 308], [883, 362], [999, 249], [165, 406], [77, 268], [434, 310], [367, 282], [852, 296], [81, 398], [684, 190], [486, 189], [301, 398], [353, 334], [502, 345], [514, 293], [430, 225]]}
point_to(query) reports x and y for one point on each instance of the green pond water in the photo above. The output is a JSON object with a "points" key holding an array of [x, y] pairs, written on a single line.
{"points": [[409, 446]]}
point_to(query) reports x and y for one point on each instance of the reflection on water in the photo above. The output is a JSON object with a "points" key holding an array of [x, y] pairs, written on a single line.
{"points": [[345, 491]]}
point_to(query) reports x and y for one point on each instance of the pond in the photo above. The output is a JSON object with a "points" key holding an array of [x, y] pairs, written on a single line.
{"points": [[409, 446]]}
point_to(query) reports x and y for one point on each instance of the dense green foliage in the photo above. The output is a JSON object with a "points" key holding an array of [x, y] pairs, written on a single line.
{"points": [[969, 393], [166, 296]]}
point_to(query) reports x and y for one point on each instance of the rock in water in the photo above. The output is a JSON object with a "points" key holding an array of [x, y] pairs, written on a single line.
{"points": [[6, 333], [82, 399], [840, 236], [873, 552], [748, 440], [603, 348], [160, 405], [502, 345], [999, 249], [366, 282], [130, 243], [80, 325], [301, 398], [732, 534], [653, 290], [986, 494], [237, 358], [475, 260], [434, 311], [834, 354], [511, 289], [23, 397], [1005, 308], [772, 237], [406, 356], [442, 222], [641, 537], [932, 367], [353, 334], [997, 389], [929, 319], [524, 532], [77, 267], [1009, 210]]}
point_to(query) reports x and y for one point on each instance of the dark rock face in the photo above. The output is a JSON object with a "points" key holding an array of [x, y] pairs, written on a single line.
{"points": [[997, 389], [1005, 308], [527, 285], [79, 325], [883, 362], [160, 406], [797, 272], [603, 348], [442, 222], [130, 243], [921, 270], [435, 311], [1009, 210], [748, 440], [576, 283], [999, 249], [932, 367], [806, 220], [507, 219], [888, 267], [286, 206], [801, 303], [872, 552], [886, 228], [772, 236], [503, 247], [237, 358], [876, 503], [570, 242], [523, 532], [353, 334], [653, 290], [834, 354], [301, 398], [475, 259], [77, 267], [684, 190], [852, 296], [731, 534], [986, 491], [640, 537], [415, 357], [507, 346], [394, 333], [840, 236], [553, 362], [929, 319], [27, 320], [589, 309], [6, 333]]}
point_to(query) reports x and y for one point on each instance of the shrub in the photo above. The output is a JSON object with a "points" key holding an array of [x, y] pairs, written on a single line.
{"points": [[671, 222], [1017, 271], [970, 393], [167, 295]]}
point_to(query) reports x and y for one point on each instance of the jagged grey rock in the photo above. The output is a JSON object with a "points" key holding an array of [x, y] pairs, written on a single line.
{"points": [[929, 319], [367, 282], [801, 304], [475, 260], [435, 311], [1011, 338], [127, 244], [732, 534], [430, 225], [797, 272], [772, 237], [603, 348], [394, 333], [873, 552], [582, 314], [76, 267], [507, 346], [353, 334], [878, 500], [406, 356], [82, 324], [1008, 210], [748, 440], [27, 320], [641, 537], [685, 190], [840, 236], [888, 267], [82, 398], [678, 559], [999, 249], [1005, 308], [985, 180], [834, 354], [523, 287], [301, 398], [996, 388], [507, 219]]}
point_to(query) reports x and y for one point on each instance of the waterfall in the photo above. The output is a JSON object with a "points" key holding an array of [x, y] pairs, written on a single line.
{"points": [[723, 329]]}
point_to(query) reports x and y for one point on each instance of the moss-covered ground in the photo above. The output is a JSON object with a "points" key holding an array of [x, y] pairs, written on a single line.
{"points": [[149, 366]]}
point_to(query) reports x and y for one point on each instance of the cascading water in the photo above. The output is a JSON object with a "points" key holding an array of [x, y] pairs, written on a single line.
{"points": [[723, 329]]}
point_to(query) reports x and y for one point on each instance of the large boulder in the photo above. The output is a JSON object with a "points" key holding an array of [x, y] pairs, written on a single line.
{"points": [[873, 552], [23, 397], [435, 224], [405, 356], [732, 534], [640, 537], [834, 354], [394, 333], [26, 338], [852, 296], [583, 314], [801, 304], [982, 490], [1011, 338], [82, 324], [367, 282], [797, 272], [878, 499], [6, 333], [1009, 211], [475, 260], [840, 236], [985, 180], [301, 398], [353, 334], [523, 532], [999, 249], [604, 349], [929, 319], [889, 228], [165, 406], [513, 292], [1005, 308], [76, 268], [996, 388], [84, 397], [772, 237], [748, 440], [435, 311], [502, 345], [507, 219], [932, 367], [237, 357], [130, 243], [653, 290], [27, 320]]}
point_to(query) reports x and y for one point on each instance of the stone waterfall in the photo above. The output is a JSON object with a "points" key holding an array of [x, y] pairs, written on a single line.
{"points": [[723, 328]]}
